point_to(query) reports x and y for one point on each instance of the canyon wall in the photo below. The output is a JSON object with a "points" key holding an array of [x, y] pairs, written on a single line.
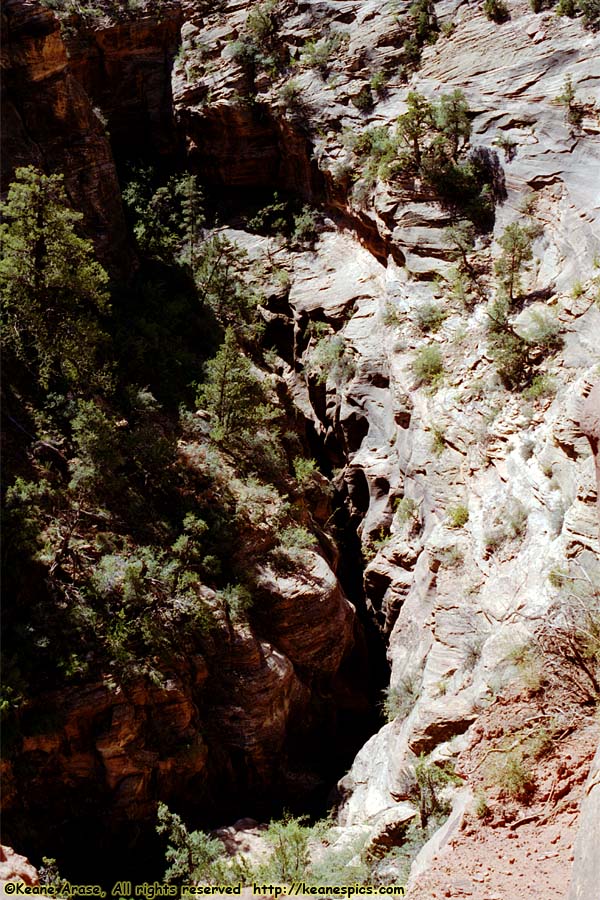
{"points": [[49, 121], [453, 597]]}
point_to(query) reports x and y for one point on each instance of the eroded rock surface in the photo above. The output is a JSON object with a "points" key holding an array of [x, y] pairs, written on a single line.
{"points": [[49, 122], [14, 867], [454, 594], [586, 866]]}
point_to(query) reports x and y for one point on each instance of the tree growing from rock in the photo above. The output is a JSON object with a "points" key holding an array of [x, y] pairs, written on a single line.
{"points": [[516, 243], [232, 394], [414, 126], [461, 237]]}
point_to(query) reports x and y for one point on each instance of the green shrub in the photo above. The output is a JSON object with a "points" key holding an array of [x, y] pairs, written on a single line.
{"points": [[541, 386], [510, 354], [507, 144], [514, 777], [516, 354], [450, 557], [193, 855], [376, 150], [305, 227], [291, 97], [430, 316], [296, 538], [390, 314], [542, 330], [482, 807], [590, 11], [237, 600], [461, 288], [378, 82], [344, 866], [432, 778], [566, 8], [405, 509], [438, 443], [461, 237], [373, 545], [568, 99], [329, 359], [458, 515], [427, 366], [399, 700], [318, 54], [261, 23], [448, 28], [517, 253], [363, 101], [424, 22], [290, 859], [304, 471], [50, 877], [271, 218], [496, 11]]}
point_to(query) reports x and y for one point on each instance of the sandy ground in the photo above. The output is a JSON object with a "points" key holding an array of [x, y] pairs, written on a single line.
{"points": [[521, 849]]}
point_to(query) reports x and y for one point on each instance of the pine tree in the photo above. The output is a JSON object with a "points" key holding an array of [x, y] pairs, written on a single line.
{"points": [[220, 268], [461, 236], [516, 243], [232, 393], [193, 855], [51, 287], [192, 217], [452, 119], [415, 125]]}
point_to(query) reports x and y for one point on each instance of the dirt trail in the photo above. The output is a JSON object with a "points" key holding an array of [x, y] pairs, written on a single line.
{"points": [[521, 849]]}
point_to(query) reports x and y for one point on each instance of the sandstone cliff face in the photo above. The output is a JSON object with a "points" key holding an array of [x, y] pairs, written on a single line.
{"points": [[223, 732], [14, 867], [49, 122], [454, 601], [590, 425], [125, 67], [586, 866], [509, 74], [232, 723]]}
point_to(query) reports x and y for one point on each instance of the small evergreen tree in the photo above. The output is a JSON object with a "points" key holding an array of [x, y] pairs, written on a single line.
{"points": [[516, 243], [192, 218], [51, 287], [461, 236], [219, 278], [193, 854], [425, 23], [414, 126], [452, 120], [167, 220], [232, 393]]}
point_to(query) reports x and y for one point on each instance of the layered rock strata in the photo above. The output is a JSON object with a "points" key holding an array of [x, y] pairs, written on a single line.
{"points": [[49, 121]]}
